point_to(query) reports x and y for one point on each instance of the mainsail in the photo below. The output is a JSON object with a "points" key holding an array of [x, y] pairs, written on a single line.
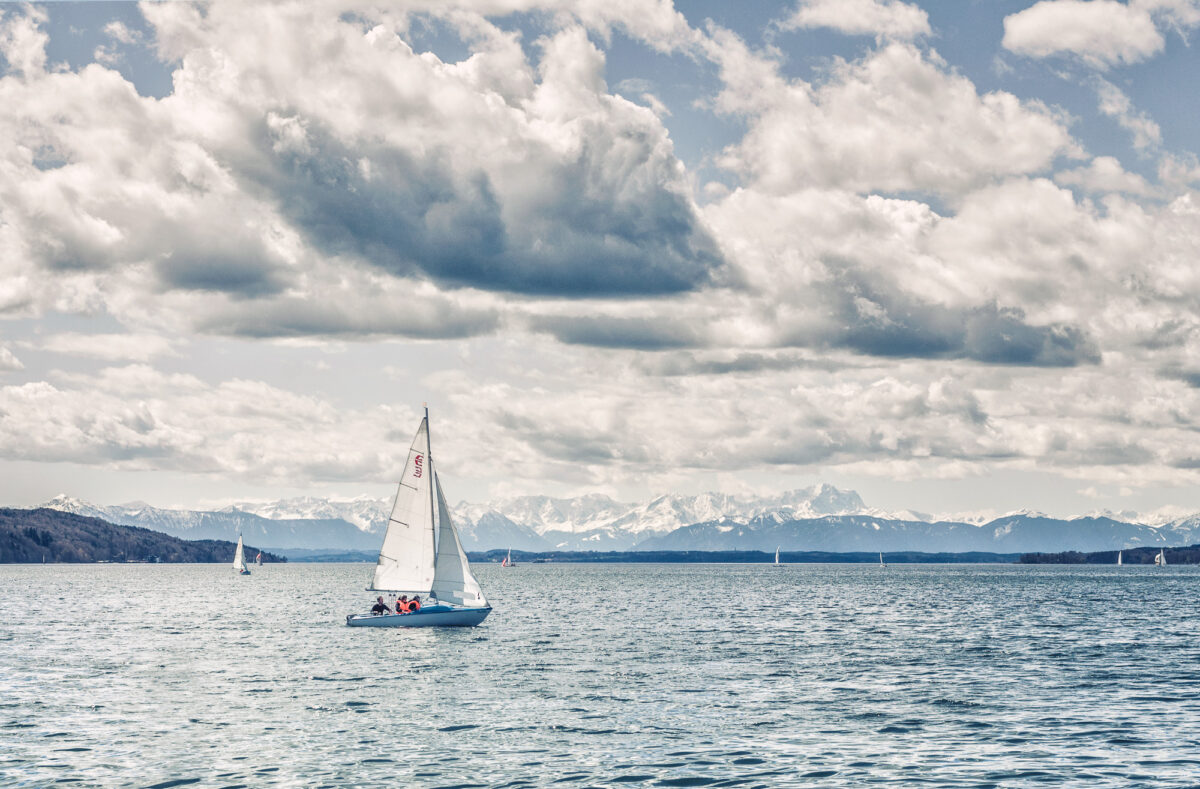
{"points": [[453, 582], [406, 558], [239, 560]]}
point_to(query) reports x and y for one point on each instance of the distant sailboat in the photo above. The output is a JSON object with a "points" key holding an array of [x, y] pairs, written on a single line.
{"points": [[239, 560], [1118, 558], [507, 560], [777, 564], [881, 564], [409, 561], [1161, 559], [258, 559]]}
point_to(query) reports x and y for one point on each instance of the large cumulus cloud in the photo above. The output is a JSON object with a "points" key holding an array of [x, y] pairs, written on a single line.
{"points": [[338, 152]]}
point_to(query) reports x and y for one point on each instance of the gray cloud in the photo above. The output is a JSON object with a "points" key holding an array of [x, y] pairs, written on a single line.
{"points": [[645, 334], [239, 275], [346, 316], [871, 319], [1189, 376], [748, 363], [420, 217]]}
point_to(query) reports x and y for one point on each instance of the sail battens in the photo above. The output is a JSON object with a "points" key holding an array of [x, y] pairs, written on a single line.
{"points": [[410, 526]]}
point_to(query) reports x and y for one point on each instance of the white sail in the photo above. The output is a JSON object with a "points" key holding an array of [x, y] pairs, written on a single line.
{"points": [[1118, 558], [1161, 559], [239, 560], [452, 582], [406, 558], [776, 554]]}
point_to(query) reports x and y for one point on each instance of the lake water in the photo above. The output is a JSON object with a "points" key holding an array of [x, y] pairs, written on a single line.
{"points": [[595, 675]]}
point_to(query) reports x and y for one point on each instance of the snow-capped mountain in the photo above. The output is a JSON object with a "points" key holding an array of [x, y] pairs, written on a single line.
{"points": [[601, 523], [369, 515], [227, 524], [821, 517]]}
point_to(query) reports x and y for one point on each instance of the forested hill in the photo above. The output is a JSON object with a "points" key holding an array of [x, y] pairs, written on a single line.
{"points": [[1188, 555], [55, 536]]}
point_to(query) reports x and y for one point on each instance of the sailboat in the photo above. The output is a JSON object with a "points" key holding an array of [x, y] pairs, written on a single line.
{"points": [[507, 560], [1119, 558], [1161, 559], [881, 564], [411, 563], [258, 559], [777, 564], [239, 560]]}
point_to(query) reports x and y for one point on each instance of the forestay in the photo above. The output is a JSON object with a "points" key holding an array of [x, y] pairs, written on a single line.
{"points": [[453, 580], [406, 558]]}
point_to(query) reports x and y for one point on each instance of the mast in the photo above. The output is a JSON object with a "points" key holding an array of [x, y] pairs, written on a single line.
{"points": [[432, 478]]}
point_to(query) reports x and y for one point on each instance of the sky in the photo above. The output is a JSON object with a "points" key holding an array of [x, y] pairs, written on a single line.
{"points": [[941, 253]]}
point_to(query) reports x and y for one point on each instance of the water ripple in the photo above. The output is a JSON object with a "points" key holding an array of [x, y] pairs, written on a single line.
{"points": [[838, 676]]}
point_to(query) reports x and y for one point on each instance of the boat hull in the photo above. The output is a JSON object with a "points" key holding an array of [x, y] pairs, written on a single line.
{"points": [[430, 616]]}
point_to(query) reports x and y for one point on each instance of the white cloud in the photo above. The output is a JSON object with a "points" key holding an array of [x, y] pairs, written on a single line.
{"points": [[267, 174], [815, 314], [1104, 174], [8, 361], [1103, 33], [898, 120], [110, 347], [22, 42], [1115, 104], [137, 418], [885, 18]]}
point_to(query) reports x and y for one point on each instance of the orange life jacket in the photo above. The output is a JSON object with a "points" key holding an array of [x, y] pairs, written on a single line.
{"points": [[414, 605]]}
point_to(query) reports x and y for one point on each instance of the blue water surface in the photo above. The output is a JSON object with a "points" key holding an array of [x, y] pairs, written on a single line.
{"points": [[604, 675]]}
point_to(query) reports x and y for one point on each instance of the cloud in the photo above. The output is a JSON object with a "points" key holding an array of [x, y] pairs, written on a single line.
{"points": [[1104, 174], [647, 334], [1115, 104], [406, 309], [731, 363], [487, 173], [22, 42], [264, 176], [110, 347], [137, 418], [885, 18], [8, 361], [895, 121], [871, 321], [1102, 33]]}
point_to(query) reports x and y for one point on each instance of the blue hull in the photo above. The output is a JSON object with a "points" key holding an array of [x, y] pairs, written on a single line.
{"points": [[430, 616]]}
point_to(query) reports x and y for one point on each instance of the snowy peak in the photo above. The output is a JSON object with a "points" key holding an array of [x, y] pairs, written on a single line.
{"points": [[367, 514], [64, 503]]}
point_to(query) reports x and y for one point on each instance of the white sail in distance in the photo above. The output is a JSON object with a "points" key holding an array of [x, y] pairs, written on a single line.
{"points": [[239, 559], [453, 582], [406, 557]]}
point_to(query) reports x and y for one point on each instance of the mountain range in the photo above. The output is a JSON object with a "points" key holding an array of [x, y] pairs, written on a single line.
{"points": [[817, 518]]}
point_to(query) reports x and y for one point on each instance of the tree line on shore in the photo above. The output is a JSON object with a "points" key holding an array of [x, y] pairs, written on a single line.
{"points": [[1187, 555], [52, 536]]}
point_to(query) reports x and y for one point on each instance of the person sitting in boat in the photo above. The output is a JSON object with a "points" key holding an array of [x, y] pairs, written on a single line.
{"points": [[402, 604], [414, 604], [380, 607]]}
